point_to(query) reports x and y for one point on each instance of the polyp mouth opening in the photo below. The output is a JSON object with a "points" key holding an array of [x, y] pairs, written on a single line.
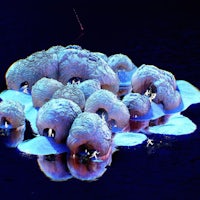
{"points": [[86, 153], [76, 80], [5, 127], [24, 87], [23, 84], [104, 115], [5, 124], [151, 90], [48, 132]]}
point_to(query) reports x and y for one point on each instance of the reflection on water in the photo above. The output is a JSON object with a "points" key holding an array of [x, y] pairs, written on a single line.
{"points": [[12, 136], [54, 166], [63, 167]]}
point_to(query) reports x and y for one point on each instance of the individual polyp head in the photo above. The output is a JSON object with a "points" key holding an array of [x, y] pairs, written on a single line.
{"points": [[113, 107], [55, 118], [43, 90]]}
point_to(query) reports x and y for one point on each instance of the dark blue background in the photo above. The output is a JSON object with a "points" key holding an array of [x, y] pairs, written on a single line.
{"points": [[162, 33]]}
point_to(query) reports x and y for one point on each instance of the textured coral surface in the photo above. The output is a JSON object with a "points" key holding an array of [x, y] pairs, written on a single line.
{"points": [[165, 34]]}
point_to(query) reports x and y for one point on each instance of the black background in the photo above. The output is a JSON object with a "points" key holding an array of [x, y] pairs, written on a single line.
{"points": [[162, 33]]}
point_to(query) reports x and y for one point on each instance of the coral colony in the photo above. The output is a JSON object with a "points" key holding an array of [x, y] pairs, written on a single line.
{"points": [[83, 105]]}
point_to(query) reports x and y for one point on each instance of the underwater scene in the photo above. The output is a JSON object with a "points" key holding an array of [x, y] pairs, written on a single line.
{"points": [[105, 107]]}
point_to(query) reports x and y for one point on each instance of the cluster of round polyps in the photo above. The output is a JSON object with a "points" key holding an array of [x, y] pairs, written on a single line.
{"points": [[151, 84], [85, 102], [158, 84], [65, 81], [86, 129], [66, 64], [90, 82]]}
